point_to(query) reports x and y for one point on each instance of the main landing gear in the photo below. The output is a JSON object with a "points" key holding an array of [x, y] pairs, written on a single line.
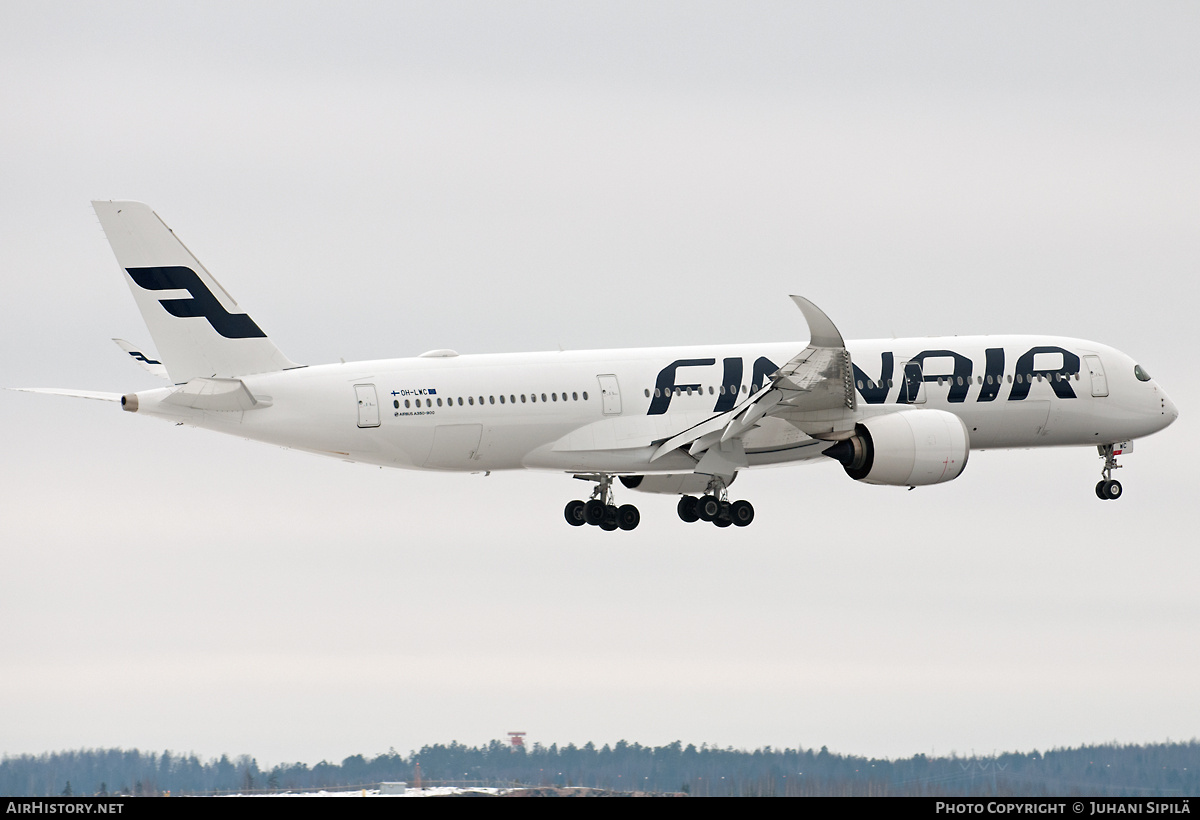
{"points": [[715, 507], [600, 511], [1109, 489]]}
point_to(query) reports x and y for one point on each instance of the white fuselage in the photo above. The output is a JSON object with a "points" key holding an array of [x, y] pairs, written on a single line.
{"points": [[606, 411]]}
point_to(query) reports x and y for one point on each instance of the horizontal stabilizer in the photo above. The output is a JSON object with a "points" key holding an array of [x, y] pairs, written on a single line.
{"points": [[78, 394]]}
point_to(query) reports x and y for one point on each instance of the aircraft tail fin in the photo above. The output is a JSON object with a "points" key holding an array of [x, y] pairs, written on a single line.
{"points": [[198, 328]]}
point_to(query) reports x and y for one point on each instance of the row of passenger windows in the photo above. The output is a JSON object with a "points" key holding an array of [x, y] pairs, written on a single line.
{"points": [[511, 399], [869, 384], [687, 391], [1020, 379], [532, 398]]}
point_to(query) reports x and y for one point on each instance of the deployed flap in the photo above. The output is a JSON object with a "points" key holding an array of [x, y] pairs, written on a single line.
{"points": [[723, 460], [197, 326], [705, 428], [215, 394]]}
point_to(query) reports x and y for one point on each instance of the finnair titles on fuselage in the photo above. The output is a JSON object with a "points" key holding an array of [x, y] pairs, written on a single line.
{"points": [[682, 421]]}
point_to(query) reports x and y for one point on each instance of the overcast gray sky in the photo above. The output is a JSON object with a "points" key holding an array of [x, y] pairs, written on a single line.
{"points": [[374, 180]]}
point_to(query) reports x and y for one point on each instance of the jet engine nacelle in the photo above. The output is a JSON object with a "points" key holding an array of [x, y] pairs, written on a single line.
{"points": [[910, 448]]}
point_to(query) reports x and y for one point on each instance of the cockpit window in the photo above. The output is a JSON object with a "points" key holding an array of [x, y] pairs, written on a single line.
{"points": [[1141, 374]]}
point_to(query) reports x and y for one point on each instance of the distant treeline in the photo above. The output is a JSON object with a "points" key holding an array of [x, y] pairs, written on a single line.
{"points": [[1166, 769]]}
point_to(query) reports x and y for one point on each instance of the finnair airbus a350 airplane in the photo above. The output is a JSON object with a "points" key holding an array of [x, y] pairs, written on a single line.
{"points": [[681, 421]]}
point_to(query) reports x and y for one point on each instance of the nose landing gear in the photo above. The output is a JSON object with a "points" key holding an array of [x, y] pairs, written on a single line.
{"points": [[1109, 489], [599, 510]]}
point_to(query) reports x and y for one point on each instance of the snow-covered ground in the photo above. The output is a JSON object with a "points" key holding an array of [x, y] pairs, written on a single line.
{"points": [[437, 791]]}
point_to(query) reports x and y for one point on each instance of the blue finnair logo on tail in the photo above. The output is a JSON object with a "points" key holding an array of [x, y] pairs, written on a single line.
{"points": [[202, 303], [142, 358]]}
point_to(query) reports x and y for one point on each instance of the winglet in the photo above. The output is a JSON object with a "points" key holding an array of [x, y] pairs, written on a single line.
{"points": [[822, 332]]}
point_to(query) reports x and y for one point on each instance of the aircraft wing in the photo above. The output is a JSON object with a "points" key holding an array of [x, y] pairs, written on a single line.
{"points": [[818, 382]]}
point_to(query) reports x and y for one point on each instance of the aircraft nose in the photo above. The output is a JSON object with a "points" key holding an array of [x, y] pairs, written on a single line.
{"points": [[1167, 407]]}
